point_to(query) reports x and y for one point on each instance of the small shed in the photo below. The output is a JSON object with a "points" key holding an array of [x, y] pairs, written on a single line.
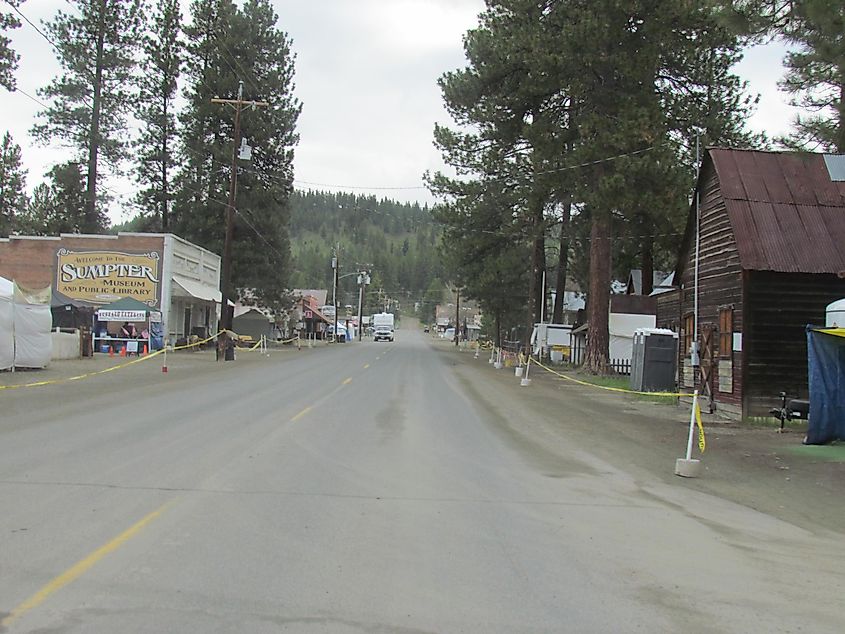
{"points": [[771, 258], [253, 322], [312, 322]]}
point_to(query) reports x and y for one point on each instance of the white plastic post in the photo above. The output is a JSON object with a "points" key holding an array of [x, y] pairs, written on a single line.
{"points": [[692, 424], [689, 467], [525, 380]]}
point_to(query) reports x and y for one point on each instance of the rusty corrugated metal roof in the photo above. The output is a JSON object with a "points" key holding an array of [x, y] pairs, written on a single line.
{"points": [[786, 213]]}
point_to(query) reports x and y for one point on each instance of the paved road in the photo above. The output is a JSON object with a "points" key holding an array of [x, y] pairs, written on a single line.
{"points": [[364, 488]]}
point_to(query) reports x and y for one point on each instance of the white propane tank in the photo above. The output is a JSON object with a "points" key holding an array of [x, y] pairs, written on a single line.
{"points": [[835, 314]]}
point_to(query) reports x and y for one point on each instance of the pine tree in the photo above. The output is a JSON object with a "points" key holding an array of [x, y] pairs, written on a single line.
{"points": [[588, 102], [54, 205], [227, 45], [90, 100], [8, 57], [816, 75], [201, 184], [507, 132], [156, 110], [12, 185]]}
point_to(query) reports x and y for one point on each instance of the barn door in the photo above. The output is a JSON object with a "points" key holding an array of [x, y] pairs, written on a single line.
{"points": [[708, 364]]}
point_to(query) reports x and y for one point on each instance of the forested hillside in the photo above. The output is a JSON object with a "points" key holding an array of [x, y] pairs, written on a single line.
{"points": [[396, 242]]}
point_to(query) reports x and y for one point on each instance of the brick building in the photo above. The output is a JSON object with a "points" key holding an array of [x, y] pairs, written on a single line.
{"points": [[178, 281]]}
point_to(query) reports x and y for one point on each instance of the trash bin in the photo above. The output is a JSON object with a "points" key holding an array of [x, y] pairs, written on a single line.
{"points": [[230, 350]]}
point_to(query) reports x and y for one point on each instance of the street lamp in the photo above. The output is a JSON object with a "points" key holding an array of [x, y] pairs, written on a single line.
{"points": [[363, 280]]}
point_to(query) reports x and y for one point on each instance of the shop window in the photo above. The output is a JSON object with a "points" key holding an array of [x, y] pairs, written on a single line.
{"points": [[726, 331]]}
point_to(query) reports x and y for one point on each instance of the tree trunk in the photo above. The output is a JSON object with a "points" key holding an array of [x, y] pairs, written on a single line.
{"points": [[538, 258], [498, 331], [538, 264], [648, 256], [598, 337], [840, 123], [91, 223], [562, 261], [165, 157]]}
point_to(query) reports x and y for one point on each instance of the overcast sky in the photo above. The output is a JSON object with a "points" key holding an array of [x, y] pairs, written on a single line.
{"points": [[366, 73]]}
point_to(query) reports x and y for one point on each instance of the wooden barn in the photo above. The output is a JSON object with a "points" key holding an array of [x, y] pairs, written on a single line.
{"points": [[771, 258]]}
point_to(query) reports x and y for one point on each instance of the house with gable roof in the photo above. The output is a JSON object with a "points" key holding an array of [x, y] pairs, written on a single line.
{"points": [[771, 257]]}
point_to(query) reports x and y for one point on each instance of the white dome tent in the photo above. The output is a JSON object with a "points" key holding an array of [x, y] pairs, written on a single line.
{"points": [[25, 324]]}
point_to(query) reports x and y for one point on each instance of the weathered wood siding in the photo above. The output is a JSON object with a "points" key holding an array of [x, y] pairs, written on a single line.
{"points": [[669, 310], [719, 286], [780, 306]]}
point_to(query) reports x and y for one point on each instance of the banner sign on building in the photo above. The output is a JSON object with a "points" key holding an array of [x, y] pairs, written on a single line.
{"points": [[102, 277], [121, 315]]}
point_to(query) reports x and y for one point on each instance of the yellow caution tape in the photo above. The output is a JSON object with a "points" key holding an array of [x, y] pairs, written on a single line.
{"points": [[124, 365], [281, 342], [86, 375], [197, 343], [608, 388], [702, 443]]}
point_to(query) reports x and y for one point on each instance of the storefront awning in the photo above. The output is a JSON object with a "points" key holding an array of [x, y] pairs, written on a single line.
{"points": [[198, 290]]}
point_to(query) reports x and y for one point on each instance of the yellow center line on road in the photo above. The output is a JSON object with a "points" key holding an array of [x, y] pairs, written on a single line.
{"points": [[347, 381], [301, 414], [80, 568], [366, 365]]}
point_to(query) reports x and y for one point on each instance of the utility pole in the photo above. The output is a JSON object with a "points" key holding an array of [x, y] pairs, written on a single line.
{"points": [[363, 280], [335, 267], [457, 315], [238, 104]]}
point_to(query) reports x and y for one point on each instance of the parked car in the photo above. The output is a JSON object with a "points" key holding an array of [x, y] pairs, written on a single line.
{"points": [[341, 332], [383, 333]]}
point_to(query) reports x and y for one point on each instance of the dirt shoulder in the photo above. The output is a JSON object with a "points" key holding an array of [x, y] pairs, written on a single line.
{"points": [[751, 465]]}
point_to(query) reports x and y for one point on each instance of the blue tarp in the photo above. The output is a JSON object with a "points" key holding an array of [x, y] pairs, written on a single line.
{"points": [[826, 366]]}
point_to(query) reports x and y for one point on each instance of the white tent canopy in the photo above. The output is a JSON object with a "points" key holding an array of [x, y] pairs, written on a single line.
{"points": [[7, 320], [25, 324]]}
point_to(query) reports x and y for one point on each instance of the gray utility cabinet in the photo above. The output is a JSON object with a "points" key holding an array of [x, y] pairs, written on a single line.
{"points": [[654, 360]]}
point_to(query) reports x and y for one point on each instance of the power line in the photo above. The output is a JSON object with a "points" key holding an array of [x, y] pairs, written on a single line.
{"points": [[358, 186], [50, 42], [599, 161], [34, 26], [38, 101], [243, 70]]}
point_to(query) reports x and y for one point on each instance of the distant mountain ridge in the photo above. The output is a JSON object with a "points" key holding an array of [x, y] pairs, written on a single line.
{"points": [[396, 242]]}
